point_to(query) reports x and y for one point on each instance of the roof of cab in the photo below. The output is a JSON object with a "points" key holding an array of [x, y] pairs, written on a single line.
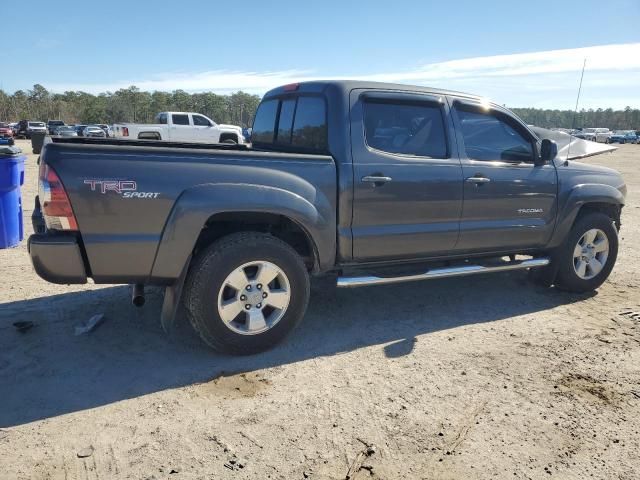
{"points": [[348, 85]]}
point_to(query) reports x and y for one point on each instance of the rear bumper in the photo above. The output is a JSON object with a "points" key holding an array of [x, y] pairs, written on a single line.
{"points": [[57, 258]]}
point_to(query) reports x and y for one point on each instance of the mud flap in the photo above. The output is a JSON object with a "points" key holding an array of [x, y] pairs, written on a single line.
{"points": [[172, 296], [546, 276]]}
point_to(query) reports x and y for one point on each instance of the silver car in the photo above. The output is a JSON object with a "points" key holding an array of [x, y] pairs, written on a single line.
{"points": [[65, 131], [94, 131]]}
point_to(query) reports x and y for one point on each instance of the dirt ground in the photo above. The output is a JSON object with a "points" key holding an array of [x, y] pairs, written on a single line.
{"points": [[472, 378]]}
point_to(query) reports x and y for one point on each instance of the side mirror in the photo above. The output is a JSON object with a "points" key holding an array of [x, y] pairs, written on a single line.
{"points": [[548, 151]]}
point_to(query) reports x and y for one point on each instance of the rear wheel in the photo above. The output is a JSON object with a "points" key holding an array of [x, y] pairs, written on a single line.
{"points": [[246, 292], [589, 254]]}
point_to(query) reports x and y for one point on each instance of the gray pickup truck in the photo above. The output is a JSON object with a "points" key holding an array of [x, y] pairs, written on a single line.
{"points": [[374, 183]]}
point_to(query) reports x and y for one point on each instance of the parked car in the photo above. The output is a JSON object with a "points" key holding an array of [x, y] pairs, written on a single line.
{"points": [[66, 131], [80, 129], [623, 136], [94, 131], [5, 130], [52, 125], [181, 127], [28, 128], [106, 128], [374, 183], [594, 134]]}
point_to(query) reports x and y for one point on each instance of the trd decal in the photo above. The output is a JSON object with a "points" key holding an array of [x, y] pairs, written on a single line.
{"points": [[117, 186], [125, 188]]}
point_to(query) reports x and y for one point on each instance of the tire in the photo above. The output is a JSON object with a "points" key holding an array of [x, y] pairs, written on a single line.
{"points": [[229, 141], [568, 277], [207, 287]]}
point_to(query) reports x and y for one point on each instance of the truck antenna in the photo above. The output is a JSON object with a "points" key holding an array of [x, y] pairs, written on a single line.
{"points": [[575, 112]]}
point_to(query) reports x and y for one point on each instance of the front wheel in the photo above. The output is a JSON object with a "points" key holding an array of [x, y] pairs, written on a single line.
{"points": [[246, 292], [589, 253]]}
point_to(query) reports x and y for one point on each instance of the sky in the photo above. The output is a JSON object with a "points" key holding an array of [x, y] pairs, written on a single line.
{"points": [[520, 54]]}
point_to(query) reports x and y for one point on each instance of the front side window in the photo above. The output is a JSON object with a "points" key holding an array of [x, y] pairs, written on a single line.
{"points": [[180, 119], [201, 121], [489, 137], [405, 128], [162, 118]]}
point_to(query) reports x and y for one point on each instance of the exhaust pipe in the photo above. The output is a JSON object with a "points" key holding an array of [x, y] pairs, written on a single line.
{"points": [[137, 295]]}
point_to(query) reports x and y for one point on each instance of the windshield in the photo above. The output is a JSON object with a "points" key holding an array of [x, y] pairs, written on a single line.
{"points": [[36, 124], [65, 129]]}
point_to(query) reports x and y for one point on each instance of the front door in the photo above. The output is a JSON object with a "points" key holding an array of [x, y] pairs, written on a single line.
{"points": [[203, 131], [407, 176], [509, 202]]}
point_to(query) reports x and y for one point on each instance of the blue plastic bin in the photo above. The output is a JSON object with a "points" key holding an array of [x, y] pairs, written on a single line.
{"points": [[11, 179]]}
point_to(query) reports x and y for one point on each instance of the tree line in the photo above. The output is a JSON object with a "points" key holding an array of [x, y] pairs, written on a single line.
{"points": [[125, 105], [627, 119], [133, 105]]}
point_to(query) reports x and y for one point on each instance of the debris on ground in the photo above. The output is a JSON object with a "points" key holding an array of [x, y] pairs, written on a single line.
{"points": [[85, 452], [90, 324], [358, 462]]}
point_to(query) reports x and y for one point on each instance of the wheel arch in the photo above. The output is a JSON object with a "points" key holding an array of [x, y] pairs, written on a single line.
{"points": [[207, 212], [587, 198], [149, 135], [229, 136], [290, 231]]}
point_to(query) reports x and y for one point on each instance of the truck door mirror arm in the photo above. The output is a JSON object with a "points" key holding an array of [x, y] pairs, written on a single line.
{"points": [[548, 151]]}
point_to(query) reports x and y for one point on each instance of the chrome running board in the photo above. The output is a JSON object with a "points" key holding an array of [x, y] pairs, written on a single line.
{"points": [[443, 272]]}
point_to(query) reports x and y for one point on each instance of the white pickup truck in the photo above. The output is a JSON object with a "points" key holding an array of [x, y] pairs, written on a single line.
{"points": [[180, 127]]}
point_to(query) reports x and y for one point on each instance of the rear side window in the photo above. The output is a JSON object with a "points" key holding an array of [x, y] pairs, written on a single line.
{"points": [[490, 137], [265, 122], [310, 124], [180, 119], [406, 128], [295, 124], [287, 110]]}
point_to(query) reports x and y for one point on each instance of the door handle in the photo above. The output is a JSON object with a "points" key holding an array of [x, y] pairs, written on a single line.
{"points": [[376, 179], [478, 179]]}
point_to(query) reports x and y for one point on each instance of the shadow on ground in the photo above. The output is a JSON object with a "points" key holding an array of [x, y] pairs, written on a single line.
{"points": [[48, 371]]}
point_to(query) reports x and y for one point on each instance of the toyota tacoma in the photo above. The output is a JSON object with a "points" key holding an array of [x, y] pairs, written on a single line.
{"points": [[373, 183]]}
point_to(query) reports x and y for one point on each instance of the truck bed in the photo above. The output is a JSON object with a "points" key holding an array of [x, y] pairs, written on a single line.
{"points": [[141, 204], [149, 143]]}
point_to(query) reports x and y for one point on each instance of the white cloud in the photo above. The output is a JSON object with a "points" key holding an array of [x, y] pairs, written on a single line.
{"points": [[547, 78]]}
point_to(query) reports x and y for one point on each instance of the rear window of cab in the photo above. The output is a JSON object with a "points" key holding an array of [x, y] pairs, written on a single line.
{"points": [[291, 124]]}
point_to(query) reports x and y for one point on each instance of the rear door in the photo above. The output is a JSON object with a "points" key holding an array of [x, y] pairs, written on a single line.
{"points": [[509, 202], [407, 176], [181, 129]]}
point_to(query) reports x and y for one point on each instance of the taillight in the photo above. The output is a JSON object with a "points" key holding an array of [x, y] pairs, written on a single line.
{"points": [[125, 132], [55, 204]]}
